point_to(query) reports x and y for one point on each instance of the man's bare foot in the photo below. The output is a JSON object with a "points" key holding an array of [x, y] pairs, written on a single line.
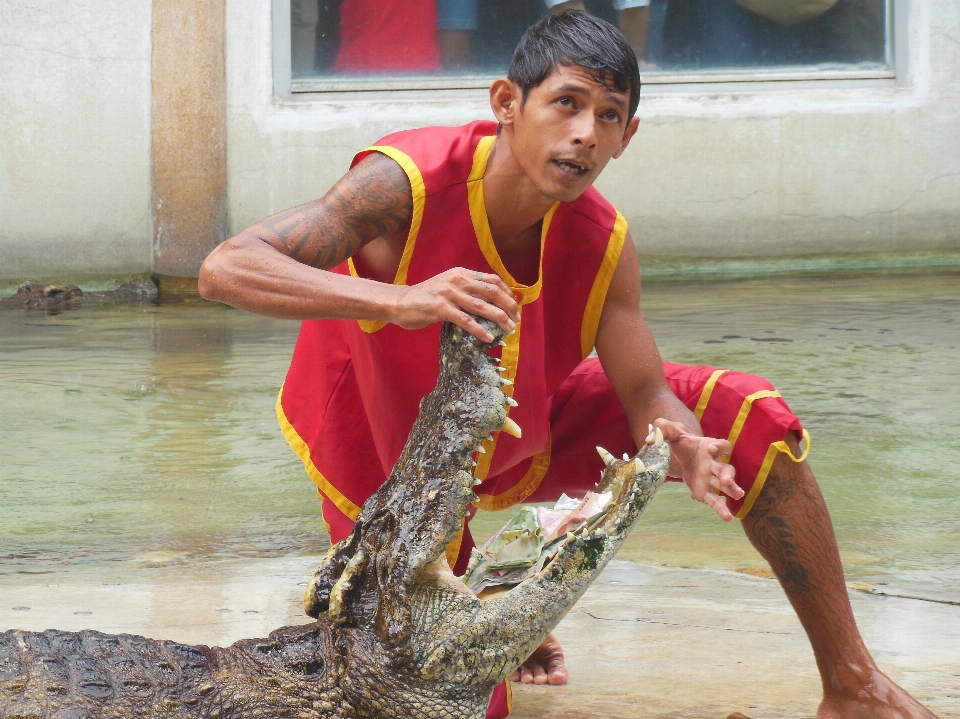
{"points": [[877, 698], [544, 666]]}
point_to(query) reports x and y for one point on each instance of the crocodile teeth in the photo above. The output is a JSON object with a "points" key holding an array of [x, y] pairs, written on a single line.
{"points": [[606, 456], [658, 442], [480, 449], [511, 428], [511, 401], [477, 481], [625, 456], [641, 468], [501, 369], [502, 343], [649, 429], [505, 382]]}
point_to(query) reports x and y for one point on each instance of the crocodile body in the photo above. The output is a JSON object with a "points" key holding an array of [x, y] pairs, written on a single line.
{"points": [[396, 633]]}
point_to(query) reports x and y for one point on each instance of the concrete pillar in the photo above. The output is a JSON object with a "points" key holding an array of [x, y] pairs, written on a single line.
{"points": [[189, 172]]}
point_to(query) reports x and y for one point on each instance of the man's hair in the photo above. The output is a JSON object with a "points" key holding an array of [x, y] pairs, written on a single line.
{"points": [[574, 37]]}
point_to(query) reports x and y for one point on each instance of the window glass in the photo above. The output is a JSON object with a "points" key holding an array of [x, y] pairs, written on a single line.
{"points": [[417, 38]]}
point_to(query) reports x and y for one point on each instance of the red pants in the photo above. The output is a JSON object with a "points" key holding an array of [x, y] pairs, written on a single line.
{"points": [[585, 412]]}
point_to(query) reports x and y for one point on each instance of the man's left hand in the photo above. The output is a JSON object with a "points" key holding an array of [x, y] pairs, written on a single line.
{"points": [[697, 460]]}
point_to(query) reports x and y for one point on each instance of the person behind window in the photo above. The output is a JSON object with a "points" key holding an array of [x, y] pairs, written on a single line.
{"points": [[457, 22], [752, 33], [633, 19], [388, 36]]}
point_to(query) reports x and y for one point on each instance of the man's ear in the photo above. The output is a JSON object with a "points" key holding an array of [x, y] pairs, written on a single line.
{"points": [[628, 134], [505, 100]]}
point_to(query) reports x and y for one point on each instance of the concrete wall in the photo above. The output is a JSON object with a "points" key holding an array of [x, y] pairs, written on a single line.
{"points": [[717, 171], [736, 170], [74, 137]]}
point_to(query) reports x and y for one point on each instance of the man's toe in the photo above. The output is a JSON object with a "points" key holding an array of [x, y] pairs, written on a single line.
{"points": [[557, 672]]}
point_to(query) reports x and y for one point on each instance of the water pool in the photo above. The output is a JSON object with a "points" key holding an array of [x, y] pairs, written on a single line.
{"points": [[137, 438]]}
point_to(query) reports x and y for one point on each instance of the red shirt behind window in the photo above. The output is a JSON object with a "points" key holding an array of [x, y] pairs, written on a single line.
{"points": [[388, 36]]}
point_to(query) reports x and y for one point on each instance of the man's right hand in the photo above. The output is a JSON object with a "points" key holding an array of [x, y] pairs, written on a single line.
{"points": [[456, 295]]}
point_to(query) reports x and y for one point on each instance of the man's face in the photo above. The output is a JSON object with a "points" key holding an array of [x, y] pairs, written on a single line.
{"points": [[567, 131]]}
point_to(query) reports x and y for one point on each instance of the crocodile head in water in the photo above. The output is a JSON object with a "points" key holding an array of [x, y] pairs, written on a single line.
{"points": [[396, 633]]}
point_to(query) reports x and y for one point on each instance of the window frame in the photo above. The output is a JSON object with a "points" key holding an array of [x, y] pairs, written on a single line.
{"points": [[288, 88]]}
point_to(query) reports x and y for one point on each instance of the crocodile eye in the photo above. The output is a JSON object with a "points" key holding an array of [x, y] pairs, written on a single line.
{"points": [[310, 668]]}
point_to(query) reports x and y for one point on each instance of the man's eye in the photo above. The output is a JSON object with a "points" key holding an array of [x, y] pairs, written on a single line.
{"points": [[611, 116], [565, 101]]}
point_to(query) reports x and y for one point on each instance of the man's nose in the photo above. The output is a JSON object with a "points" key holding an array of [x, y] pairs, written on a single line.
{"points": [[585, 129]]}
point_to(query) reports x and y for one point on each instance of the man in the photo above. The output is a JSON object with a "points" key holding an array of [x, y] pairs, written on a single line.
{"points": [[501, 221]]}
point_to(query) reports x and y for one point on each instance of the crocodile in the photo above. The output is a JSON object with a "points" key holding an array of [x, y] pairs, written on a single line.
{"points": [[396, 633]]}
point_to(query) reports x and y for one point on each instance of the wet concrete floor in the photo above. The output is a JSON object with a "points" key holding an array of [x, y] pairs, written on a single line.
{"points": [[645, 640]]}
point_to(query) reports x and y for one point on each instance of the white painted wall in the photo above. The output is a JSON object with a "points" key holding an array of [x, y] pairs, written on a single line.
{"points": [[74, 138], [755, 169]]}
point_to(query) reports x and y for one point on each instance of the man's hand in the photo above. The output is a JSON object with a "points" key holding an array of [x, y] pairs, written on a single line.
{"points": [[455, 295], [697, 460]]}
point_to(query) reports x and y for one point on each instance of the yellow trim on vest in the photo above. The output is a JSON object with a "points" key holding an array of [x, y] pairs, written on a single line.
{"points": [[303, 452], [481, 224], [453, 549], [509, 697], [419, 193], [706, 392], [768, 460], [509, 360], [742, 416], [510, 356], [322, 518], [601, 283], [522, 489]]}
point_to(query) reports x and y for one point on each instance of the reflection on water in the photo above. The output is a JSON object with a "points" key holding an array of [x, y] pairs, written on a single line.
{"points": [[147, 434], [146, 437]]}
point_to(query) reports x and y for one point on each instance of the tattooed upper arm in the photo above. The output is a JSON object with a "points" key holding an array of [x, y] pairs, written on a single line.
{"points": [[372, 200]]}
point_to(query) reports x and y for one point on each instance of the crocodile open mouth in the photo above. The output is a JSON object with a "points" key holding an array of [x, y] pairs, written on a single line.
{"points": [[529, 544]]}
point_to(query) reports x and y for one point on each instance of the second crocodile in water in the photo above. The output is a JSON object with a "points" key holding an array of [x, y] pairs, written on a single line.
{"points": [[396, 633]]}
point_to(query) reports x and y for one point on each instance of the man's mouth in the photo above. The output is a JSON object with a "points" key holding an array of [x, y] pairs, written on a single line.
{"points": [[571, 168]]}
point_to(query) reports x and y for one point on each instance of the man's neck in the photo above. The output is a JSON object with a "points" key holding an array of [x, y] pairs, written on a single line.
{"points": [[515, 206]]}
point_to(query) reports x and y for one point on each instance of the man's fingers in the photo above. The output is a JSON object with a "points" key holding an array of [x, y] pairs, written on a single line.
{"points": [[718, 504], [726, 482], [467, 303], [491, 288], [720, 448], [466, 321], [494, 286]]}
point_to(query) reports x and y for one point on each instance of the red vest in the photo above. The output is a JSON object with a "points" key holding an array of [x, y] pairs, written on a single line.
{"points": [[354, 388]]}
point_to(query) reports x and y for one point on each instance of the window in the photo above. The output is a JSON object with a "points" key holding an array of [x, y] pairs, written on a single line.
{"points": [[371, 44]]}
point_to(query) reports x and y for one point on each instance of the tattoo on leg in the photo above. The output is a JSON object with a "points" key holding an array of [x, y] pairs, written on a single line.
{"points": [[772, 535]]}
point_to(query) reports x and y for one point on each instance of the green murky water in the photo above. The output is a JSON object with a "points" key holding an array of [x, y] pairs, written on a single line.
{"points": [[145, 437]]}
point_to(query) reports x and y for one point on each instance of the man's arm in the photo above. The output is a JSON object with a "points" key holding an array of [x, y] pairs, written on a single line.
{"points": [[279, 267], [631, 361]]}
